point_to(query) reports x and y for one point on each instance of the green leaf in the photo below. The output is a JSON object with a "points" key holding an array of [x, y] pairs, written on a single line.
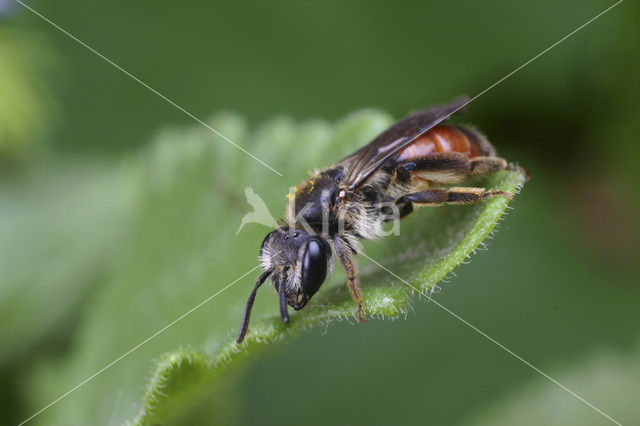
{"points": [[452, 239], [183, 249], [431, 254]]}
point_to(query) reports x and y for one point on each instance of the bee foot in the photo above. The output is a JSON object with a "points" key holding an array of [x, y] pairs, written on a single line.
{"points": [[508, 195]]}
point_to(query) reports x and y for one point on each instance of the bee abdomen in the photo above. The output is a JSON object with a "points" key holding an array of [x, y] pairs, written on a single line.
{"points": [[448, 138]]}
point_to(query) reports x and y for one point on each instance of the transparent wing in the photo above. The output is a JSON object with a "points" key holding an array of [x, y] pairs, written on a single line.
{"points": [[360, 165]]}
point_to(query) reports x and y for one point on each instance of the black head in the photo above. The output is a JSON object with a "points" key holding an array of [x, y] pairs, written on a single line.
{"points": [[298, 263]]}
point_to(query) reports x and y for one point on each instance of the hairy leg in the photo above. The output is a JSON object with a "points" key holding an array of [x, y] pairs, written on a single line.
{"points": [[350, 268], [463, 195], [451, 168]]}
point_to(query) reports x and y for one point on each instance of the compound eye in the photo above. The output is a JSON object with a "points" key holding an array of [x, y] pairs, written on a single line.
{"points": [[314, 267]]}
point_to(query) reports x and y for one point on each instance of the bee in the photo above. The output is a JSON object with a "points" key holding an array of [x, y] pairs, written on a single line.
{"points": [[416, 162]]}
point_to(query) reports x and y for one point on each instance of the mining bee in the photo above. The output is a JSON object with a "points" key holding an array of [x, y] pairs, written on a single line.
{"points": [[414, 163]]}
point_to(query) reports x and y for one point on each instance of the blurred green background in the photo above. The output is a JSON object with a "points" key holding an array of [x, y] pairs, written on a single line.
{"points": [[559, 286]]}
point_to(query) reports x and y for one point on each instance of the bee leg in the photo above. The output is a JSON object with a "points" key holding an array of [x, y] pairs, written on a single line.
{"points": [[404, 209], [461, 195], [488, 165], [451, 167], [350, 268]]}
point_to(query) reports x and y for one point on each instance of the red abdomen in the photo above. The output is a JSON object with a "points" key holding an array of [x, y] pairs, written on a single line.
{"points": [[445, 138]]}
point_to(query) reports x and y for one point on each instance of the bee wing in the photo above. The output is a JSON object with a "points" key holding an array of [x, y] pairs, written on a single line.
{"points": [[360, 165]]}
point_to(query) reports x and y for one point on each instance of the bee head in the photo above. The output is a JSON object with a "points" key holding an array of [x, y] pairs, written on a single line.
{"points": [[297, 262]]}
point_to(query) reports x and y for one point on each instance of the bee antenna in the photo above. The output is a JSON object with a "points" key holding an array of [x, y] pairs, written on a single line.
{"points": [[244, 327]]}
